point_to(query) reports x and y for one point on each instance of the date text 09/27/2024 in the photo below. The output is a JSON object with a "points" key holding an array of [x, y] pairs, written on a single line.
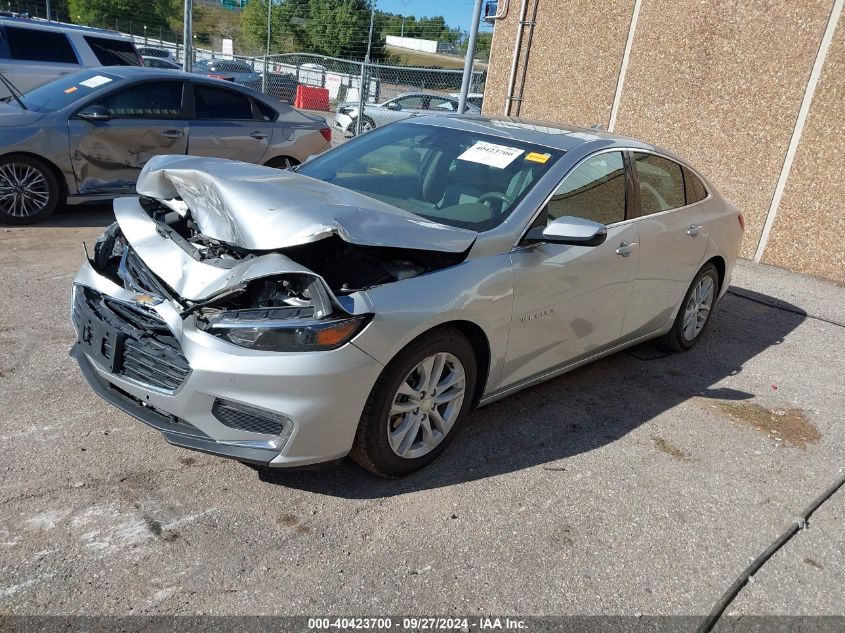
{"points": [[417, 623]]}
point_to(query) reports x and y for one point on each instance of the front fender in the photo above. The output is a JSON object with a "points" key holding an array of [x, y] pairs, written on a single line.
{"points": [[477, 290]]}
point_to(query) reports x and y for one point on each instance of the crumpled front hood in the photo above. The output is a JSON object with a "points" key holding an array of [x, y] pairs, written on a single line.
{"points": [[261, 208]]}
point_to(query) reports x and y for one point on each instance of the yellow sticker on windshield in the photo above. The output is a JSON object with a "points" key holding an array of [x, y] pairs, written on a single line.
{"points": [[71, 89], [536, 157]]}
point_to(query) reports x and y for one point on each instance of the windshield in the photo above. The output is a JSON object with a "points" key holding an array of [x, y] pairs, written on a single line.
{"points": [[461, 179], [57, 94]]}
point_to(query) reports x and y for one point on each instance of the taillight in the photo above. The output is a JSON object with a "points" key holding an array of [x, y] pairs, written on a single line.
{"points": [[327, 133], [741, 219]]}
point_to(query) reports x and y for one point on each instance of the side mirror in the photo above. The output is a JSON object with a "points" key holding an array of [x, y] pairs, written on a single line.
{"points": [[94, 113], [569, 230], [393, 106]]}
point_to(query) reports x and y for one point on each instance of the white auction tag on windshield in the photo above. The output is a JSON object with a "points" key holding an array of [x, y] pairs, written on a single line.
{"points": [[93, 82], [491, 154]]}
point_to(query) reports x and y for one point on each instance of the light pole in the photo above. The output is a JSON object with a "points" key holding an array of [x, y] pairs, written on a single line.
{"points": [[187, 40], [267, 52], [145, 35], [364, 70], [473, 36]]}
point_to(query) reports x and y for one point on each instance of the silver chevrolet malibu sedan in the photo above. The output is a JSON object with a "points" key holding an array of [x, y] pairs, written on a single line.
{"points": [[364, 303]]}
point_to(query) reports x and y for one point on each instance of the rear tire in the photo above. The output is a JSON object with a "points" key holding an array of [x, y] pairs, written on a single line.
{"points": [[29, 190], [417, 405], [281, 162], [696, 310]]}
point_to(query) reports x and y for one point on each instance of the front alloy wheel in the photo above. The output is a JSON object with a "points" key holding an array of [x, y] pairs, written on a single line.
{"points": [[28, 190], [426, 405], [417, 404]]}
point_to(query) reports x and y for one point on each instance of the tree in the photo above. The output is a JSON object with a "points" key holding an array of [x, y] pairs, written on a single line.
{"points": [[154, 14], [336, 28]]}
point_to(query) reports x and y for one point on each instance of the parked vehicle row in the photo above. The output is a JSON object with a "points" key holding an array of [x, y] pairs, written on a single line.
{"points": [[88, 135], [363, 304]]}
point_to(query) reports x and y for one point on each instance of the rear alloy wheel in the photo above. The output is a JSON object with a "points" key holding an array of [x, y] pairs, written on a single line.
{"points": [[416, 405], [29, 191], [694, 315]]}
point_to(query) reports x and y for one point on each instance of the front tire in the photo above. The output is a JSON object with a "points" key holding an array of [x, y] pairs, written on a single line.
{"points": [[416, 405], [29, 191], [367, 124], [696, 310]]}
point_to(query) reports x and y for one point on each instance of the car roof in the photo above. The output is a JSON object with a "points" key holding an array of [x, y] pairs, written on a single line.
{"points": [[546, 133], [65, 28], [145, 72]]}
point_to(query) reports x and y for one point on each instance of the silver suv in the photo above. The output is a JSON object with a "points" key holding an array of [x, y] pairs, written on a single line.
{"points": [[33, 52]]}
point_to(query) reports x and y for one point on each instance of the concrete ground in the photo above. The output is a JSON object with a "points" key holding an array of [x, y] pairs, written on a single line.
{"points": [[642, 484]]}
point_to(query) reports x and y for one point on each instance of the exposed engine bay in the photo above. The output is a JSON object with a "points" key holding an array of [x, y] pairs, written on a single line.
{"points": [[344, 267]]}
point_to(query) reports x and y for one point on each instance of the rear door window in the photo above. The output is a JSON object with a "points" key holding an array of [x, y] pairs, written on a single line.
{"points": [[695, 190], [111, 52], [661, 183], [218, 103], [39, 45]]}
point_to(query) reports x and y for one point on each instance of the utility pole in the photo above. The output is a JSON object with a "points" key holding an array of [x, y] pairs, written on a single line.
{"points": [[364, 65], [267, 52], [187, 36], [405, 4], [473, 36]]}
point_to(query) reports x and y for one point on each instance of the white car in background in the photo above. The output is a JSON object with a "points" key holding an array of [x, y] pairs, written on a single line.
{"points": [[33, 53], [404, 106]]}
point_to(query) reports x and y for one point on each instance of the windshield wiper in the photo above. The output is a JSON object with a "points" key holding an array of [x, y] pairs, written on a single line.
{"points": [[14, 92]]}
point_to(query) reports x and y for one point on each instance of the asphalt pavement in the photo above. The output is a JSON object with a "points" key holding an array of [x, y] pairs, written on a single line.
{"points": [[641, 484]]}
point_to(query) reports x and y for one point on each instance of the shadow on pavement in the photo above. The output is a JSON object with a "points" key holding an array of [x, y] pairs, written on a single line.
{"points": [[580, 411], [75, 216]]}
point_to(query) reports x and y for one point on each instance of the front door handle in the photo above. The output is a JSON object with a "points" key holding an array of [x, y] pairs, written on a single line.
{"points": [[172, 133], [626, 248], [259, 135], [694, 230]]}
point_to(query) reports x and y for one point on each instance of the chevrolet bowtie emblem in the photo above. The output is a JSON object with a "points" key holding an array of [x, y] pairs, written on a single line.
{"points": [[147, 300]]}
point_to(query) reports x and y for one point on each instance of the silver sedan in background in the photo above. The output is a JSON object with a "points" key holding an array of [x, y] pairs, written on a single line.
{"points": [[365, 303], [404, 106], [87, 135]]}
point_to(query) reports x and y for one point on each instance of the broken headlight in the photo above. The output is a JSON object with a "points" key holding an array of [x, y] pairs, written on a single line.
{"points": [[284, 330]]}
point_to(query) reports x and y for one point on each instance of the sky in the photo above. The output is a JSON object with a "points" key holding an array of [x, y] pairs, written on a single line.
{"points": [[458, 13]]}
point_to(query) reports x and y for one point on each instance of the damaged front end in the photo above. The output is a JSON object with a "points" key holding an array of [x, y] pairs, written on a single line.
{"points": [[293, 286], [235, 342]]}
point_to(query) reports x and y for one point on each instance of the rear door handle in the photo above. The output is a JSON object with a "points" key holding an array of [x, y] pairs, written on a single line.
{"points": [[626, 248], [172, 133], [259, 135], [694, 230]]}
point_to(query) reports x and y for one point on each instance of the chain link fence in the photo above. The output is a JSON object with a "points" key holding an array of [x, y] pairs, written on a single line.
{"points": [[416, 65], [390, 92]]}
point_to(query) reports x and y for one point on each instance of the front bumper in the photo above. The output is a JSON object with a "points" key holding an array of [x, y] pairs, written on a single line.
{"points": [[322, 394]]}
